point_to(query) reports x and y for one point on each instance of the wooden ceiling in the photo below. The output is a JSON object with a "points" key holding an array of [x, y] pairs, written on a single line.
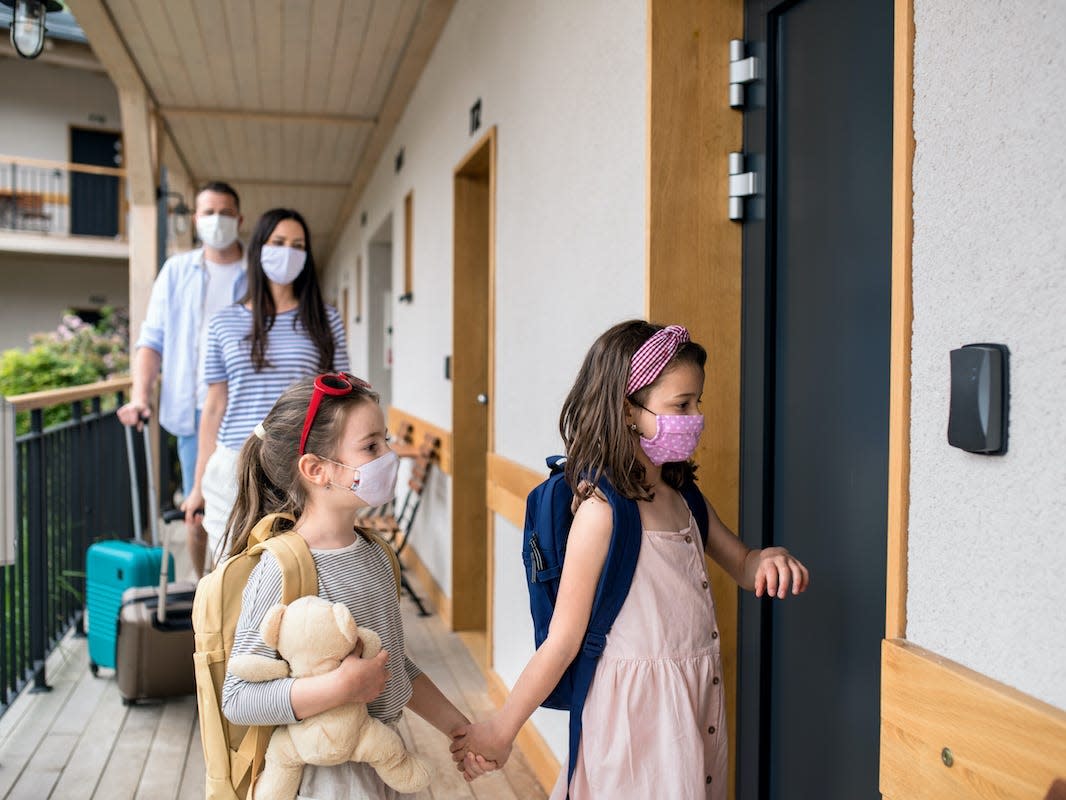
{"points": [[291, 101]]}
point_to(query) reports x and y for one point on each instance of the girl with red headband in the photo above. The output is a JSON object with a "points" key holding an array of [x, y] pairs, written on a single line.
{"points": [[653, 723], [319, 457]]}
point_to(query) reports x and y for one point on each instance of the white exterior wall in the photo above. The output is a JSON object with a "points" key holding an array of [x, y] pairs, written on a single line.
{"points": [[37, 289], [41, 101], [565, 84], [987, 534]]}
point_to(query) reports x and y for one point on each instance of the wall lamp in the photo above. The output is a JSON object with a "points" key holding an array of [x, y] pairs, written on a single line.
{"points": [[27, 24], [406, 297], [179, 214]]}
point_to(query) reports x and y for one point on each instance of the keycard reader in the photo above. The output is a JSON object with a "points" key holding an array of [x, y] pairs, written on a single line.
{"points": [[977, 421]]}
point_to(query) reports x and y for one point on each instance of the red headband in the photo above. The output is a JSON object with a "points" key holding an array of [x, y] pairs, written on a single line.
{"points": [[332, 384]]}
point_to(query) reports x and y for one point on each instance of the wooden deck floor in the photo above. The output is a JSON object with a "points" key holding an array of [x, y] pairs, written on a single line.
{"points": [[79, 741]]}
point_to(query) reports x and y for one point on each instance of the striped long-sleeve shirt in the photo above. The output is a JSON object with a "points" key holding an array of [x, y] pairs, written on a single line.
{"points": [[290, 353], [360, 576]]}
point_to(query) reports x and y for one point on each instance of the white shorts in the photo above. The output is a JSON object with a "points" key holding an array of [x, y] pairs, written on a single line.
{"points": [[219, 487]]}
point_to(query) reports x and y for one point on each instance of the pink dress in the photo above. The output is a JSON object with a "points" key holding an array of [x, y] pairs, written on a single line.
{"points": [[654, 721]]}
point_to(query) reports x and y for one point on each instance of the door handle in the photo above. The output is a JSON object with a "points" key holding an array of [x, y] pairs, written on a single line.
{"points": [[483, 399]]}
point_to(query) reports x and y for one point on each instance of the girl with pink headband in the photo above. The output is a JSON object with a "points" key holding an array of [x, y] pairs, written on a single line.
{"points": [[653, 723]]}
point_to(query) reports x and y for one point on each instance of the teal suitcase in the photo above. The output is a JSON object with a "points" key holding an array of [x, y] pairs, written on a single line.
{"points": [[112, 566]]}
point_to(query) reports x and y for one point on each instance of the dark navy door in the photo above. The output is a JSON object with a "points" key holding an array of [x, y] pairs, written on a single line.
{"points": [[94, 200], [815, 389]]}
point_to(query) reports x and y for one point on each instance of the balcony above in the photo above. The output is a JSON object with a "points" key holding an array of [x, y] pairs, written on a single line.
{"points": [[61, 208]]}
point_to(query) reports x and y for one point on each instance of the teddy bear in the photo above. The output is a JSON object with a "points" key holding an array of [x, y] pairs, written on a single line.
{"points": [[313, 636]]}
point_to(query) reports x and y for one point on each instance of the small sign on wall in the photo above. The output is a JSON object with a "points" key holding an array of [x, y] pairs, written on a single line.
{"points": [[475, 116]]}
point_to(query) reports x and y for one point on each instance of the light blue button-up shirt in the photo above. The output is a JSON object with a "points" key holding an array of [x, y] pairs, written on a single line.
{"points": [[172, 329]]}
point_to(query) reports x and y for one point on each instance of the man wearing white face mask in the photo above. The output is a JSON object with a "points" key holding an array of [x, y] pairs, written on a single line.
{"points": [[190, 289]]}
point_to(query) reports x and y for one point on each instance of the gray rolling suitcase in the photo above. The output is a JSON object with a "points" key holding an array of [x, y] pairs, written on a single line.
{"points": [[154, 650]]}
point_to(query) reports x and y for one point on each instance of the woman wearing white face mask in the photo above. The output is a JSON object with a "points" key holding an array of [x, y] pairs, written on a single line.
{"points": [[280, 332]]}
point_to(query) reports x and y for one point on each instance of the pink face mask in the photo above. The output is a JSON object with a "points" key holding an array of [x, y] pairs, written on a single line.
{"points": [[675, 438]]}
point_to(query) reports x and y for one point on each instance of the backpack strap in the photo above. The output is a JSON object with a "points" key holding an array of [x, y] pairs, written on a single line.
{"points": [[611, 592], [394, 561], [698, 506], [264, 529], [299, 577]]}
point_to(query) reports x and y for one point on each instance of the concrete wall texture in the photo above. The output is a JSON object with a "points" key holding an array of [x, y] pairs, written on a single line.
{"points": [[37, 288], [987, 534], [41, 102]]}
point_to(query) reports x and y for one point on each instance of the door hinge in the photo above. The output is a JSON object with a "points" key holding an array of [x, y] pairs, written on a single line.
{"points": [[741, 184], [741, 71]]}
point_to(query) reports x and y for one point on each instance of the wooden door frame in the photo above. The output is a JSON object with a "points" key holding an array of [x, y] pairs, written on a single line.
{"points": [[692, 244], [927, 701], [688, 68], [472, 545]]}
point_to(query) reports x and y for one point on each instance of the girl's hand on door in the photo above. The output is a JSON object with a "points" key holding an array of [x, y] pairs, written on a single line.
{"points": [[776, 571]]}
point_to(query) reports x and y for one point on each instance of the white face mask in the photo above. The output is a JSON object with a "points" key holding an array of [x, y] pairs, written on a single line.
{"points": [[375, 482], [217, 230], [282, 265]]}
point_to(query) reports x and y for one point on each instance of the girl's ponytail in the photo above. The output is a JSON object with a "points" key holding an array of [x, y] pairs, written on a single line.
{"points": [[257, 496]]}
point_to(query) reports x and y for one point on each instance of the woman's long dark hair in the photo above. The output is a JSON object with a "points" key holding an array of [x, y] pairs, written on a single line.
{"points": [[593, 425], [311, 311]]}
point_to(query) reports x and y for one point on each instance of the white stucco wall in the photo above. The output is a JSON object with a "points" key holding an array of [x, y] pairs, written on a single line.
{"points": [[987, 534], [41, 101], [565, 85], [35, 290]]}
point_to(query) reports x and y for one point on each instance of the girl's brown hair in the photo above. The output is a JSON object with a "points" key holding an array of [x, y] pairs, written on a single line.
{"points": [[267, 472], [592, 423]]}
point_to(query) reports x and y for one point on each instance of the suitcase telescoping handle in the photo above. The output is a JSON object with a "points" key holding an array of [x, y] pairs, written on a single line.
{"points": [[153, 509], [135, 496], [153, 513]]}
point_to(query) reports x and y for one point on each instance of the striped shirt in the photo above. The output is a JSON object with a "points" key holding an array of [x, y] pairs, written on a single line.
{"points": [[360, 576], [290, 353]]}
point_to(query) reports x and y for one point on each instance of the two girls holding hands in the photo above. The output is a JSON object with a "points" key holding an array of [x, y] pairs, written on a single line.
{"points": [[654, 718]]}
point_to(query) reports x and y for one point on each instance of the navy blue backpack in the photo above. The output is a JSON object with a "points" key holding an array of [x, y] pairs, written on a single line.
{"points": [[548, 519]]}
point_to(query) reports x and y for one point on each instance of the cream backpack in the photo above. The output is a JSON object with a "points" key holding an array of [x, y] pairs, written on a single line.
{"points": [[234, 754]]}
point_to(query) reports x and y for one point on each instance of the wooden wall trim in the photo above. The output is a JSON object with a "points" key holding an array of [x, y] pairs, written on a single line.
{"points": [[1004, 744], [430, 589], [902, 317], [508, 484], [541, 759], [421, 428]]}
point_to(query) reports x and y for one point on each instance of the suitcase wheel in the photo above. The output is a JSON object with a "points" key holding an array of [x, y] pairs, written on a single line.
{"points": [[94, 668], [128, 701]]}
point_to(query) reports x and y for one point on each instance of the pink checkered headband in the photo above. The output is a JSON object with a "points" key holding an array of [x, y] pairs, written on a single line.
{"points": [[652, 357]]}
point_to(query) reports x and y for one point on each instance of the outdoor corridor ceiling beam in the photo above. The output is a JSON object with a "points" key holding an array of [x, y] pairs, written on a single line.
{"points": [[108, 45], [295, 183], [268, 116]]}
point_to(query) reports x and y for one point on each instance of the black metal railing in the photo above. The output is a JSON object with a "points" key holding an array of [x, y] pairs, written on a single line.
{"points": [[71, 486], [59, 197]]}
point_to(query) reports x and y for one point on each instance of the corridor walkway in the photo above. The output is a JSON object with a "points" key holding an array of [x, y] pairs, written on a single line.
{"points": [[79, 742]]}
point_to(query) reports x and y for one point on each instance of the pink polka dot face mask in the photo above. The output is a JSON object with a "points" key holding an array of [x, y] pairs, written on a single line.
{"points": [[675, 439]]}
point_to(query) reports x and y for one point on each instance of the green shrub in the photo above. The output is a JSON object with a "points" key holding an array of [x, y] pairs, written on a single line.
{"points": [[74, 354]]}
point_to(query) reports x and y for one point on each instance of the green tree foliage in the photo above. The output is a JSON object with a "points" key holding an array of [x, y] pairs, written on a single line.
{"points": [[75, 353]]}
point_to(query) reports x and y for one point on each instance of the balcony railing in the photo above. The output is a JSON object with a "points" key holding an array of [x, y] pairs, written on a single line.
{"points": [[63, 487], [58, 197]]}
